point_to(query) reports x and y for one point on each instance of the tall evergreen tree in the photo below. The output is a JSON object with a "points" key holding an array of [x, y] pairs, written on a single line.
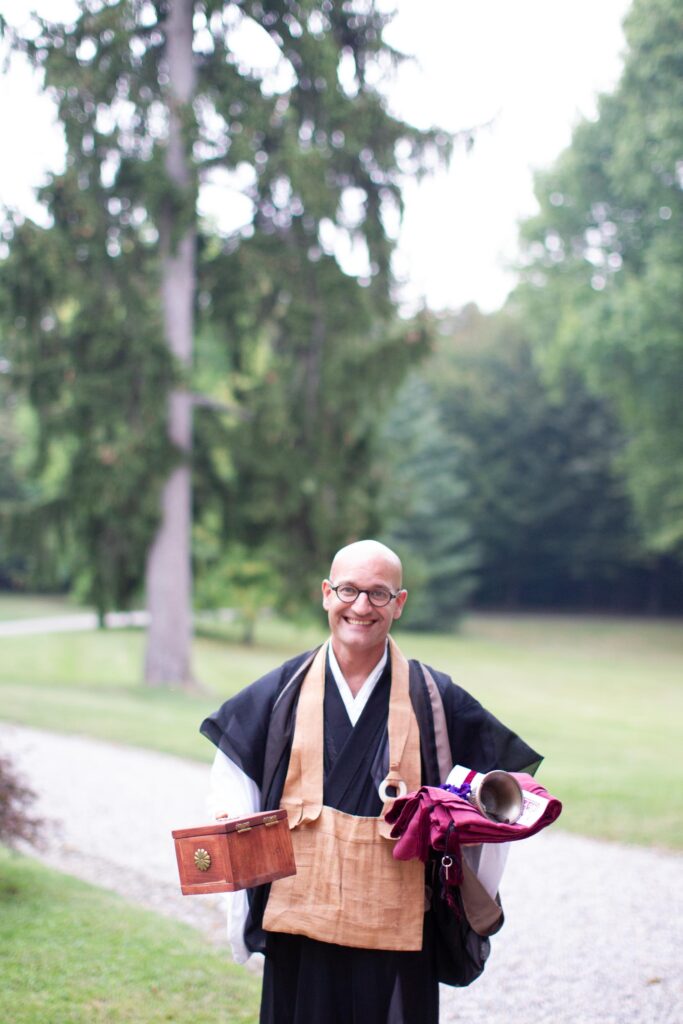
{"points": [[425, 508], [157, 98]]}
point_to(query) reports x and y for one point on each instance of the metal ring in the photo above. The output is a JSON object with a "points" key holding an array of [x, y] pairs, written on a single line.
{"points": [[447, 861], [400, 786]]}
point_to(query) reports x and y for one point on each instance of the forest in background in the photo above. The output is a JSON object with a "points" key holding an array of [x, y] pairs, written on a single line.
{"points": [[531, 458]]}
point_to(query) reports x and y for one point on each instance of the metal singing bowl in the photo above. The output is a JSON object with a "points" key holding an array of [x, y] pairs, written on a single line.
{"points": [[499, 797]]}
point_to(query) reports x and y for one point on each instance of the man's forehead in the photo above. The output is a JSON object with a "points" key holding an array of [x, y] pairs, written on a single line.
{"points": [[359, 578], [372, 561]]}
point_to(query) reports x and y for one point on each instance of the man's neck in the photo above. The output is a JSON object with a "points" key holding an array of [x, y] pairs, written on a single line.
{"points": [[357, 665]]}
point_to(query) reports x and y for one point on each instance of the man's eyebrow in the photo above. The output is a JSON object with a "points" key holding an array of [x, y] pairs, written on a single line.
{"points": [[373, 586]]}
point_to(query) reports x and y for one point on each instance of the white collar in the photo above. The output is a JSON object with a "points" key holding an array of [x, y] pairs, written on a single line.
{"points": [[354, 705]]}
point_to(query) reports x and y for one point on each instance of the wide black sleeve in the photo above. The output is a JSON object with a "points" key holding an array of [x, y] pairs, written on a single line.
{"points": [[478, 739], [240, 726]]}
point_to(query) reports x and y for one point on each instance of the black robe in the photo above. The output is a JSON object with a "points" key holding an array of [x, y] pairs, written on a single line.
{"points": [[310, 982]]}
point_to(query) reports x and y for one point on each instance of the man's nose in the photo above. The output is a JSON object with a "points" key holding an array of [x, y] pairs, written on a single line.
{"points": [[362, 602]]}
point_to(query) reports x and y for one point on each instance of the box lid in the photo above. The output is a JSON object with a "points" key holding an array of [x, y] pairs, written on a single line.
{"points": [[241, 824]]}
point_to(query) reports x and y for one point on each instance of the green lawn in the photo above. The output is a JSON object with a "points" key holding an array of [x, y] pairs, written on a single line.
{"points": [[31, 606], [89, 683], [600, 697], [74, 954]]}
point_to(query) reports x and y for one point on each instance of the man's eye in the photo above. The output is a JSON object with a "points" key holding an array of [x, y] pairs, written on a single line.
{"points": [[380, 595], [348, 591]]}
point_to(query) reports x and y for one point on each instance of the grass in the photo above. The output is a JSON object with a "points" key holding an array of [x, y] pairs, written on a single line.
{"points": [[90, 683], [31, 606], [600, 697], [118, 965]]}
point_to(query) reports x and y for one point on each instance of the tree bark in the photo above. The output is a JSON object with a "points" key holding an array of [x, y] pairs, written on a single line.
{"points": [[168, 656]]}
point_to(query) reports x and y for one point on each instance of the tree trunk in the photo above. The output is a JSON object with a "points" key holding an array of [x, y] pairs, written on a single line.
{"points": [[169, 574]]}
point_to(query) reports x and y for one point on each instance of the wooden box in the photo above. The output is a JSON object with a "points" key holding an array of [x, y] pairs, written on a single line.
{"points": [[237, 853]]}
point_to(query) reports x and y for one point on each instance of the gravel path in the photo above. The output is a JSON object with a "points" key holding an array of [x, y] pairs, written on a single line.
{"points": [[593, 930]]}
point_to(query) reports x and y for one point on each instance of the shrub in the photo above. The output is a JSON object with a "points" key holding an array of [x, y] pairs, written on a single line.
{"points": [[16, 822]]}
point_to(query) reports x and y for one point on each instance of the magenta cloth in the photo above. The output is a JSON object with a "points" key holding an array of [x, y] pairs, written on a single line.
{"points": [[421, 820]]}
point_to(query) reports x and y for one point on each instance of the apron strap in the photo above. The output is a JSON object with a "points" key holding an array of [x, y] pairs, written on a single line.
{"points": [[404, 756], [302, 795], [400, 714]]}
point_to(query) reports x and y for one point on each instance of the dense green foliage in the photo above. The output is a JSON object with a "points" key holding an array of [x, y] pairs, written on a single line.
{"points": [[16, 820], [305, 476], [507, 490], [425, 508], [120, 965], [605, 265], [546, 505], [81, 333]]}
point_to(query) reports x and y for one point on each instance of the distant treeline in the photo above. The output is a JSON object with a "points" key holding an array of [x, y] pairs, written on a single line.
{"points": [[508, 490]]}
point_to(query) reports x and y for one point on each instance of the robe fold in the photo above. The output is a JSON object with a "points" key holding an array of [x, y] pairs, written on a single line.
{"points": [[305, 981]]}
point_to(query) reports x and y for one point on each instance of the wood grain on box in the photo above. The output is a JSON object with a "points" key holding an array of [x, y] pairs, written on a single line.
{"points": [[238, 853]]}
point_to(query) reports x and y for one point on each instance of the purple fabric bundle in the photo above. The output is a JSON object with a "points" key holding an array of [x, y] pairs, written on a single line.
{"points": [[421, 820]]}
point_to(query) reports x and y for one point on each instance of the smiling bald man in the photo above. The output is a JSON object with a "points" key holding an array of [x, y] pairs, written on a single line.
{"points": [[333, 736]]}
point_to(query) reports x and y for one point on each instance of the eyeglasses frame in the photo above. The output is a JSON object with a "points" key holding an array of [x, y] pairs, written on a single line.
{"points": [[392, 597]]}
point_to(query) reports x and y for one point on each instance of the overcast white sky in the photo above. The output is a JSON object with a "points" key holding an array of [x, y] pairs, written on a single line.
{"points": [[532, 67]]}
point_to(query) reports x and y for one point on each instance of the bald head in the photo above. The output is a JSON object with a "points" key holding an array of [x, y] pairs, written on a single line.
{"points": [[367, 553]]}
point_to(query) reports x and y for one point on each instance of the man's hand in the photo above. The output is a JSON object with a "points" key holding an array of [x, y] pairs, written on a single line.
{"points": [[221, 815]]}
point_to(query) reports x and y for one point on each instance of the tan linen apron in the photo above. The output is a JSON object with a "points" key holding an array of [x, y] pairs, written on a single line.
{"points": [[348, 888]]}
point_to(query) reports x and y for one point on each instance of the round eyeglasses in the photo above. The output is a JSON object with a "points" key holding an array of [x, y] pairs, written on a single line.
{"points": [[378, 596]]}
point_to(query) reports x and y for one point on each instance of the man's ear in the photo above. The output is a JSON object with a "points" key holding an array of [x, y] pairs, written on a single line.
{"points": [[327, 593], [400, 601]]}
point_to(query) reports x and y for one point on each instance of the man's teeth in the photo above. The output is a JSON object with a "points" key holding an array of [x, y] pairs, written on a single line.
{"points": [[360, 622]]}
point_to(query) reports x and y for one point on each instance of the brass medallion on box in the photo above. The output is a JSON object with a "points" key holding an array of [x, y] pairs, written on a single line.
{"points": [[348, 888]]}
